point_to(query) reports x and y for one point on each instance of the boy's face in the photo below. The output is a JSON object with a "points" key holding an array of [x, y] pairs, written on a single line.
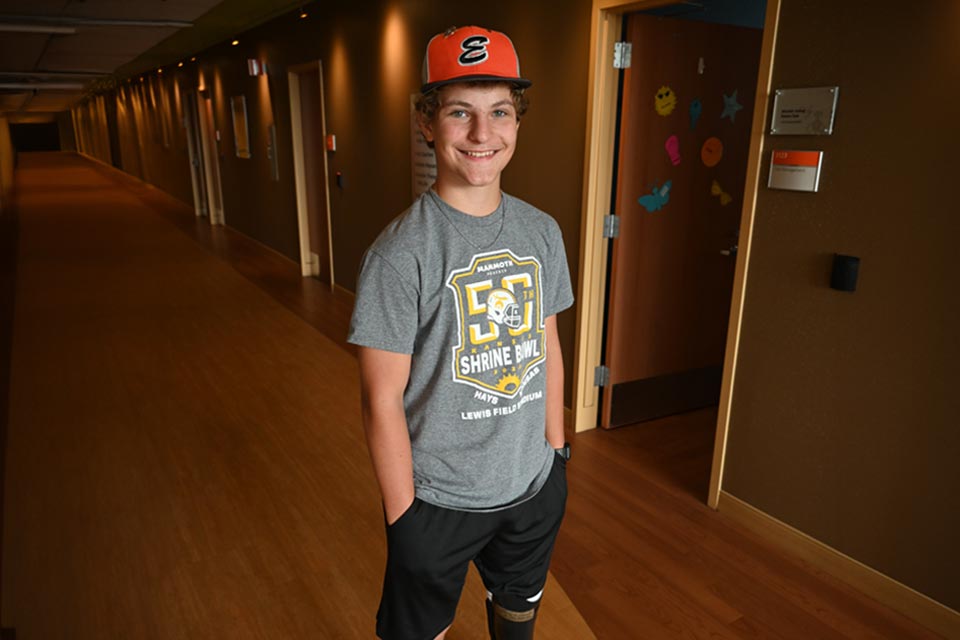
{"points": [[474, 133]]}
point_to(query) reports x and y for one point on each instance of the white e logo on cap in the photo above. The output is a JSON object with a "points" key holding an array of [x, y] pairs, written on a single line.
{"points": [[474, 50]]}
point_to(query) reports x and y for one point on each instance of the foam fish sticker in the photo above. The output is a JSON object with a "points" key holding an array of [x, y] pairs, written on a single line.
{"points": [[657, 198], [725, 198], [696, 108]]}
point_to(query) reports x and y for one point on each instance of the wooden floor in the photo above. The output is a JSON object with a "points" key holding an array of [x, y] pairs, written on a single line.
{"points": [[185, 459]]}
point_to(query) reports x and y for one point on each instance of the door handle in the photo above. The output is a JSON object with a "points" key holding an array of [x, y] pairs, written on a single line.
{"points": [[732, 251]]}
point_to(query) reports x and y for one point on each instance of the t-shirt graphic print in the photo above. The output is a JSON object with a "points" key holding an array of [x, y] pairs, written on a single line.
{"points": [[500, 325]]}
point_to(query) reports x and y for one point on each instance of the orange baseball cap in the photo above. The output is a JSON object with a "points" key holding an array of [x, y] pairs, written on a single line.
{"points": [[470, 53]]}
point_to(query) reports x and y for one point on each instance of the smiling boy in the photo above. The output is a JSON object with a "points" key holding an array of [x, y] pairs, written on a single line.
{"points": [[460, 363]]}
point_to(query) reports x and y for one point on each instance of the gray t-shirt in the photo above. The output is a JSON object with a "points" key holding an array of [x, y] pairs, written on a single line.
{"points": [[467, 297]]}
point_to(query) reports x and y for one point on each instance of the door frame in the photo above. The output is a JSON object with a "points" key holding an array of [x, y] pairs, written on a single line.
{"points": [[606, 24], [195, 154], [211, 158], [309, 265]]}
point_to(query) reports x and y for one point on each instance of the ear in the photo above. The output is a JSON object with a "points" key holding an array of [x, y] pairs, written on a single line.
{"points": [[426, 128]]}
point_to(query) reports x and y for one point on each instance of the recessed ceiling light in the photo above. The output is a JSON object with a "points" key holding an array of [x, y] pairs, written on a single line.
{"points": [[235, 42]]}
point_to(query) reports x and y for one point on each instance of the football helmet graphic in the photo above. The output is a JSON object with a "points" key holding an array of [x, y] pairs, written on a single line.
{"points": [[502, 308]]}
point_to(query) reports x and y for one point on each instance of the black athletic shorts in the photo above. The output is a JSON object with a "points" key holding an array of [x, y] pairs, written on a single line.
{"points": [[429, 549]]}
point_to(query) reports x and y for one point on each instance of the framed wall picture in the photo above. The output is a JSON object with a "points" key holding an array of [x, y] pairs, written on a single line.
{"points": [[241, 132]]}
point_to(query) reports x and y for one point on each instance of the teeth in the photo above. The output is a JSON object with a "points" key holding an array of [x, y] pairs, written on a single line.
{"points": [[479, 154]]}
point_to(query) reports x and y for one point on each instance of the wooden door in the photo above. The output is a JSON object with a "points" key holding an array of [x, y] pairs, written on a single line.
{"points": [[685, 122]]}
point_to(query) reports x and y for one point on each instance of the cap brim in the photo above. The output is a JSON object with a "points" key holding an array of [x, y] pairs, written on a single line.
{"points": [[519, 82]]}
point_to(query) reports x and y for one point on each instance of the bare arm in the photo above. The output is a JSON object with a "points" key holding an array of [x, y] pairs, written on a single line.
{"points": [[554, 385], [383, 378]]}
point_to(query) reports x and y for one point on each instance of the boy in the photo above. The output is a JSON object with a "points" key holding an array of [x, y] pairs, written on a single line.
{"points": [[460, 364]]}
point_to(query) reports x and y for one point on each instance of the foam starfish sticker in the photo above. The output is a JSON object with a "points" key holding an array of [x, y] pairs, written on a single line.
{"points": [[730, 106]]}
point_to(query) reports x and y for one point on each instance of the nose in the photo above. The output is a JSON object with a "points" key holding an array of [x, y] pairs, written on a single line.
{"points": [[479, 130]]}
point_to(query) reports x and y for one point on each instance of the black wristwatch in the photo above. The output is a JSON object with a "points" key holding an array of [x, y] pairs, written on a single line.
{"points": [[564, 451]]}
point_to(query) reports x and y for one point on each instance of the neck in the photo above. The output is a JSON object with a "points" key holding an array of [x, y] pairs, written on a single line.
{"points": [[474, 201]]}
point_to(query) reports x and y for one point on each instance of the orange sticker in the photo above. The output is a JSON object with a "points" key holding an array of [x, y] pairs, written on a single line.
{"points": [[711, 151]]}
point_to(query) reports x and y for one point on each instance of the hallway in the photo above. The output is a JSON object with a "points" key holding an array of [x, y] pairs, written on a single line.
{"points": [[185, 459]]}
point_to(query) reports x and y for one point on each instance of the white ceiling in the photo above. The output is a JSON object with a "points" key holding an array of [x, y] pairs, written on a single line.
{"points": [[34, 67]]}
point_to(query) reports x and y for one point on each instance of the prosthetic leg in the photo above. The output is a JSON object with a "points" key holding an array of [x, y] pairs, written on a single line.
{"points": [[506, 623]]}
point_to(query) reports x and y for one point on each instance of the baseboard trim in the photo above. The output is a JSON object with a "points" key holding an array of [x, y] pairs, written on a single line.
{"points": [[87, 156], [882, 588]]}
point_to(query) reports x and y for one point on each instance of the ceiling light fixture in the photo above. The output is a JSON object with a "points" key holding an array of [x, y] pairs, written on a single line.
{"points": [[36, 86], [70, 22], [54, 74], [235, 43], [36, 28], [179, 64]]}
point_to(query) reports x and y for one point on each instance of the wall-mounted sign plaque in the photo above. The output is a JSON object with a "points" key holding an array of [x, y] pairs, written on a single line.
{"points": [[241, 132], [795, 170], [804, 112]]}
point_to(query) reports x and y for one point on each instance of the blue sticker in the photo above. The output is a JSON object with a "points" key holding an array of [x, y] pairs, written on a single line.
{"points": [[658, 197], [695, 110], [730, 106]]}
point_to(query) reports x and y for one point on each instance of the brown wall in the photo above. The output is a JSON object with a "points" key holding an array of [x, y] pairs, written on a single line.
{"points": [[844, 417], [65, 125], [6, 163], [152, 138], [8, 266], [371, 53]]}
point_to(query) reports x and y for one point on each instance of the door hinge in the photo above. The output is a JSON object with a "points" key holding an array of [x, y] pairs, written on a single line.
{"points": [[601, 376], [621, 55], [611, 226]]}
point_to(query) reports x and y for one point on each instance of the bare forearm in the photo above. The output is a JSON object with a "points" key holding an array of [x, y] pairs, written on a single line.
{"points": [[389, 444], [554, 428], [383, 377]]}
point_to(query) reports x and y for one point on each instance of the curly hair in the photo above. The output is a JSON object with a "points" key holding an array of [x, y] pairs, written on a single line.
{"points": [[428, 103]]}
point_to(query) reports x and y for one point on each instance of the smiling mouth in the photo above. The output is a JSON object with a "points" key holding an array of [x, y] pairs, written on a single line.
{"points": [[478, 154]]}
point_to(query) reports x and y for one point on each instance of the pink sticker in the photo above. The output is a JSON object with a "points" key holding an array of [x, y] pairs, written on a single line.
{"points": [[672, 145]]}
